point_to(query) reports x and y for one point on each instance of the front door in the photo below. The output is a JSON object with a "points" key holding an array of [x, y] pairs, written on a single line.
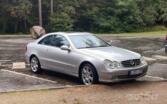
{"points": [[60, 60]]}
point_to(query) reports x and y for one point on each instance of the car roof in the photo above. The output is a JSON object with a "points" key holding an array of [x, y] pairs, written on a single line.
{"points": [[71, 33]]}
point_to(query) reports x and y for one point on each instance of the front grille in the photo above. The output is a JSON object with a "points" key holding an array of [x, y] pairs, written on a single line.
{"points": [[131, 63]]}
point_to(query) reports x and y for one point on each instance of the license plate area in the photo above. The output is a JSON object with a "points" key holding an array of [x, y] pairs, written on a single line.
{"points": [[135, 72]]}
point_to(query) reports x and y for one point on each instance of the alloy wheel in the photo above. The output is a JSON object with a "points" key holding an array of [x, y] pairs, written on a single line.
{"points": [[34, 64], [87, 75]]}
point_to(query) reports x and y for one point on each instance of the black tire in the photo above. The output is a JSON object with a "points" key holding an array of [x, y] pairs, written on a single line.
{"points": [[35, 65], [93, 74]]}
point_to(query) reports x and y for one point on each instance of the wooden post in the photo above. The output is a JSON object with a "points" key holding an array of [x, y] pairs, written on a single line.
{"points": [[51, 7], [40, 12]]}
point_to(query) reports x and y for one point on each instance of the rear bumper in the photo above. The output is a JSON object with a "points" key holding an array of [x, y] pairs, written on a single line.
{"points": [[122, 75], [27, 58]]}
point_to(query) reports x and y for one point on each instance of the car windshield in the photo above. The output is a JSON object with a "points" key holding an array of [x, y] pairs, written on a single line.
{"points": [[87, 41]]}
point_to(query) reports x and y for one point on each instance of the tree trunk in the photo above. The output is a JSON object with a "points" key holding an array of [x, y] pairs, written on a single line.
{"points": [[25, 25], [16, 27], [4, 27]]}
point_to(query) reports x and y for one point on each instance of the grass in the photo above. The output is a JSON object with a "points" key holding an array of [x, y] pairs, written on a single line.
{"points": [[131, 34], [149, 34]]}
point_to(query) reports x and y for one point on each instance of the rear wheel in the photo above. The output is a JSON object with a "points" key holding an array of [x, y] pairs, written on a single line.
{"points": [[88, 74], [35, 65]]}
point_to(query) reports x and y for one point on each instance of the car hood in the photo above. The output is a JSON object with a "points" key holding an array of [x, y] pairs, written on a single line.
{"points": [[111, 53]]}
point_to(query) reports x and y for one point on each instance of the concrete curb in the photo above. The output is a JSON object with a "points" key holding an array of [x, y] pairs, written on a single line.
{"points": [[160, 57], [150, 60], [43, 89], [160, 78], [149, 78], [61, 87], [28, 76]]}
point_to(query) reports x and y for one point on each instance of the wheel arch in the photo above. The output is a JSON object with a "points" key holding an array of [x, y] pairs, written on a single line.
{"points": [[31, 56], [87, 62]]}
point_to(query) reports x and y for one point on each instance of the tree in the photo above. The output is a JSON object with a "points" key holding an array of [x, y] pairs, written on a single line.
{"points": [[61, 22], [19, 12], [83, 15], [14, 15], [161, 8]]}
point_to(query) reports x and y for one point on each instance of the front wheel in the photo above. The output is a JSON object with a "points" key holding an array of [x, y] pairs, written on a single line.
{"points": [[88, 74], [35, 65]]}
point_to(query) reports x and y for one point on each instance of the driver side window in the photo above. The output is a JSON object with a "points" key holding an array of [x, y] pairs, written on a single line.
{"points": [[59, 40]]}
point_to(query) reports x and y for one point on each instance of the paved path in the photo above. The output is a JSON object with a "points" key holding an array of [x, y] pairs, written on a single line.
{"points": [[13, 81]]}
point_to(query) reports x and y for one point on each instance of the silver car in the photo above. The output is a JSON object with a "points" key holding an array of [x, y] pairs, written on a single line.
{"points": [[85, 56]]}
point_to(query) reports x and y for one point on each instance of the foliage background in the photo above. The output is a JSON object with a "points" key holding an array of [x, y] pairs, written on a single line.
{"points": [[104, 16]]}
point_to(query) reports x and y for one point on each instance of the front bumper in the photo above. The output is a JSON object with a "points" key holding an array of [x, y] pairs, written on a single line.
{"points": [[121, 75]]}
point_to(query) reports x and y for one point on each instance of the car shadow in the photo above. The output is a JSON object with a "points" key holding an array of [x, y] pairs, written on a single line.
{"points": [[60, 78], [65, 79]]}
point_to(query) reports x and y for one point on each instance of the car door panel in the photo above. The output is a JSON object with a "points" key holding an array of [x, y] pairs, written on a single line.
{"points": [[42, 52], [56, 59], [60, 60]]}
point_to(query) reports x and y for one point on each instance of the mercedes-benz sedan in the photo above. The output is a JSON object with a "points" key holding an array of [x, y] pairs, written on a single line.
{"points": [[85, 56]]}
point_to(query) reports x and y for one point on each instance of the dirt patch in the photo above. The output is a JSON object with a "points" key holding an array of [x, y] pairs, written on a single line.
{"points": [[127, 93]]}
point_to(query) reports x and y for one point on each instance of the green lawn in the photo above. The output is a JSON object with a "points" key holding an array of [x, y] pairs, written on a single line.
{"points": [[147, 34], [155, 33]]}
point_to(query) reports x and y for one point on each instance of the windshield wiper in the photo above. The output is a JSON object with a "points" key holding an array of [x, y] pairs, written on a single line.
{"points": [[104, 46], [95, 46]]}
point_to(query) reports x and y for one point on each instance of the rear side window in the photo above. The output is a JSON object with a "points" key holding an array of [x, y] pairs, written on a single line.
{"points": [[46, 40], [55, 40]]}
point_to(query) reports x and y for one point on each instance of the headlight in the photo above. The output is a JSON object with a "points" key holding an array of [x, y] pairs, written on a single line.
{"points": [[111, 64], [143, 61]]}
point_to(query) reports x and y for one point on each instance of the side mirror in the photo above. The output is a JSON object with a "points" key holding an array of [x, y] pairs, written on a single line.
{"points": [[65, 47]]}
